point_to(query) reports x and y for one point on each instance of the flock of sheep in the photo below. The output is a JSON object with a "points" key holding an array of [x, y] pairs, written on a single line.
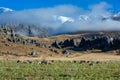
{"points": [[47, 62]]}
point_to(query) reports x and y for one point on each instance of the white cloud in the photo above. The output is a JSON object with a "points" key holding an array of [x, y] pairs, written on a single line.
{"points": [[69, 15]]}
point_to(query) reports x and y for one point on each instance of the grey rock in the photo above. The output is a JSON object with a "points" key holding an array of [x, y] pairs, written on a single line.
{"points": [[64, 44], [44, 61], [54, 50], [56, 45], [102, 43], [65, 52], [33, 41], [34, 53]]}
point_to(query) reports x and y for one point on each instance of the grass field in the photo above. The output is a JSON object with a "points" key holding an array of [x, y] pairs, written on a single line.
{"points": [[59, 70]]}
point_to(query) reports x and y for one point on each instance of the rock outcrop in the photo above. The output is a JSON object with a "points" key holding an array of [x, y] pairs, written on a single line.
{"points": [[25, 29], [102, 43], [16, 38], [64, 44]]}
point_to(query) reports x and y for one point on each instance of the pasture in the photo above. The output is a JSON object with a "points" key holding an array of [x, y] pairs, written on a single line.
{"points": [[59, 70]]}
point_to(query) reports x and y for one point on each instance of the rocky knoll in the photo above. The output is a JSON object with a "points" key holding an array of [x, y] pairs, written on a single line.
{"points": [[16, 38], [5, 30], [104, 42]]}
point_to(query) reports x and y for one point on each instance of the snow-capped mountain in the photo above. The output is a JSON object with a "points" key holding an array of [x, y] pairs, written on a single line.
{"points": [[4, 9], [116, 17], [63, 19], [83, 18]]}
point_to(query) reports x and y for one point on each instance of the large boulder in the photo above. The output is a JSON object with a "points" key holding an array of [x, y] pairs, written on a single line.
{"points": [[65, 52], [83, 44], [34, 53], [56, 44], [65, 43], [69, 43], [116, 43]]}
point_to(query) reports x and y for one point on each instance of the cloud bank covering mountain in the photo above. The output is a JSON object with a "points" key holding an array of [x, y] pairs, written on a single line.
{"points": [[65, 18]]}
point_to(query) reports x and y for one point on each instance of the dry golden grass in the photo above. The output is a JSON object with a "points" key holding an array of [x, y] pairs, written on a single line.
{"points": [[20, 51]]}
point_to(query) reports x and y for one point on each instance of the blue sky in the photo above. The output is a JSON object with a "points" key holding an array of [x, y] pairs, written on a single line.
{"points": [[31, 4]]}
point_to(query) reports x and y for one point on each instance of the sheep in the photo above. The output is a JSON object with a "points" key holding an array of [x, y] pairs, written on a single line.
{"points": [[97, 62], [91, 64], [82, 61], [25, 61]]}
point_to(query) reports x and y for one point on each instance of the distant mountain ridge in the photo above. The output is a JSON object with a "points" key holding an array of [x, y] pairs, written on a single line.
{"points": [[60, 20], [82, 17], [4, 9]]}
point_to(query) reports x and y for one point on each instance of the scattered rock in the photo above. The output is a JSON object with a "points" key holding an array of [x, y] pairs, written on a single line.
{"points": [[7, 45], [34, 53], [118, 52], [65, 52], [54, 50]]}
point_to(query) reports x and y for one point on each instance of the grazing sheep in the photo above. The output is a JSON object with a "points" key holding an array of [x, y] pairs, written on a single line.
{"points": [[49, 62], [88, 62], [52, 61], [29, 61], [44, 61], [82, 61], [74, 61], [97, 62], [91, 64], [26, 62], [70, 61], [39, 62], [18, 61]]}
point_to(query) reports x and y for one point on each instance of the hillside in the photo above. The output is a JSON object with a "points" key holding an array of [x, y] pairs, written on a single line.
{"points": [[14, 46]]}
